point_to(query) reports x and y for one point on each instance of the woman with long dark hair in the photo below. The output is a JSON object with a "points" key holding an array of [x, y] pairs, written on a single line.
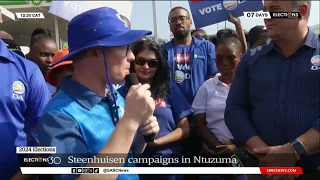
{"points": [[172, 109]]}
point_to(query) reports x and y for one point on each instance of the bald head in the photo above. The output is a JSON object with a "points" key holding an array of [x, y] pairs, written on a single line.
{"points": [[5, 35]]}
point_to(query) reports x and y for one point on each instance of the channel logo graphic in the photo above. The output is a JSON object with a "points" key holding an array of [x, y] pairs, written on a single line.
{"points": [[47, 160], [290, 15], [272, 15]]}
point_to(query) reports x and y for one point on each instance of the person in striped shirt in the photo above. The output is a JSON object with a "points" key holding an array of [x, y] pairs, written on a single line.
{"points": [[273, 106]]}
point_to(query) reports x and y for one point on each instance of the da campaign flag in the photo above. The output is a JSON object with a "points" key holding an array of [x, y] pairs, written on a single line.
{"points": [[207, 12]]}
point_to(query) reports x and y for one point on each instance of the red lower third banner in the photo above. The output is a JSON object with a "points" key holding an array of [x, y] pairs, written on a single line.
{"points": [[161, 170], [281, 170]]}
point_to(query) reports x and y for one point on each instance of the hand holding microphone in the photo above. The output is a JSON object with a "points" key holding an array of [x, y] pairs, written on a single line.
{"points": [[140, 107]]}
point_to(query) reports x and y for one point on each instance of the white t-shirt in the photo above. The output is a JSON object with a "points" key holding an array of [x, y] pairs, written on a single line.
{"points": [[211, 99]]}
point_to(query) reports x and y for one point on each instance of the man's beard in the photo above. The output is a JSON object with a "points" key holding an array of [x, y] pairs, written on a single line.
{"points": [[181, 35]]}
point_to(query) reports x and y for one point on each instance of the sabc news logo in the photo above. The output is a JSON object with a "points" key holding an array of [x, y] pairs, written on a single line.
{"points": [[272, 15]]}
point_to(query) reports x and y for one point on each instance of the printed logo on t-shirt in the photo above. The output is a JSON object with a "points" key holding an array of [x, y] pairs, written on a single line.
{"points": [[315, 61], [160, 102], [183, 68], [182, 58], [121, 113], [117, 86], [18, 90]]}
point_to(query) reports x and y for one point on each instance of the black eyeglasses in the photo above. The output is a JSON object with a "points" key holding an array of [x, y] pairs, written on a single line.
{"points": [[175, 20], [152, 63]]}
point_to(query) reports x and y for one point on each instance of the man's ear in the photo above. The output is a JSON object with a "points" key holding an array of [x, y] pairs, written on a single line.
{"points": [[304, 9]]}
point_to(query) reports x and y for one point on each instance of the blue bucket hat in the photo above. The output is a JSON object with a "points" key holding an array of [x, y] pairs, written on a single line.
{"points": [[101, 27]]}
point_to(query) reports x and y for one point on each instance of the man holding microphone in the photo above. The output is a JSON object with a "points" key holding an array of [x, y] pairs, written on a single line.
{"points": [[82, 118]]}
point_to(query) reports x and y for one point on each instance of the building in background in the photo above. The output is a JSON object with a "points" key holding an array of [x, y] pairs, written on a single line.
{"points": [[57, 15], [6, 15], [21, 29]]}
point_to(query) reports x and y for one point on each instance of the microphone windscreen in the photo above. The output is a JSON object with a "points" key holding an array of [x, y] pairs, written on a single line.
{"points": [[131, 79]]}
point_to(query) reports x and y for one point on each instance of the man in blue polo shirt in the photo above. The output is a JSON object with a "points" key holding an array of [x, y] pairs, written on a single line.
{"points": [[83, 119], [273, 105], [23, 96], [191, 60]]}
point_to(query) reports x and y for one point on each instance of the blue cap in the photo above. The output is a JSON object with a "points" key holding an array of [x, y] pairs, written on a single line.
{"points": [[101, 27]]}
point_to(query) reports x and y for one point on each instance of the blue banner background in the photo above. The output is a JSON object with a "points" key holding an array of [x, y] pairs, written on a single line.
{"points": [[236, 8]]}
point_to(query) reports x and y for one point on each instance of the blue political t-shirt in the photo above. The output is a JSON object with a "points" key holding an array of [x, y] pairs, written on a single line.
{"points": [[23, 95], [169, 112], [182, 68], [191, 65]]}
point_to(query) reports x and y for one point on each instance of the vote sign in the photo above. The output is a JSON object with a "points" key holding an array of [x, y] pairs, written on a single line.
{"points": [[207, 12]]}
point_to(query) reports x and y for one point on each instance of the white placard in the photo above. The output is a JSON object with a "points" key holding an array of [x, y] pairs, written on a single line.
{"points": [[69, 9]]}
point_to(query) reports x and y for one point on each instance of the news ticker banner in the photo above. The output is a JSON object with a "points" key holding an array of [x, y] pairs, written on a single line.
{"points": [[46, 160], [208, 12], [272, 15], [248, 15], [161, 170]]}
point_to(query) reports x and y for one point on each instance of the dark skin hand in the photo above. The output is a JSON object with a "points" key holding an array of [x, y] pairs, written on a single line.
{"points": [[208, 137]]}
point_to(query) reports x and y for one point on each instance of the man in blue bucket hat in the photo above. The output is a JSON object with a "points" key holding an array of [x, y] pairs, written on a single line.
{"points": [[85, 121]]}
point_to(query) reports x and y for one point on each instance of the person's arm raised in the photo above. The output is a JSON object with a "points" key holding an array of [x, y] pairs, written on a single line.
{"points": [[240, 32]]}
